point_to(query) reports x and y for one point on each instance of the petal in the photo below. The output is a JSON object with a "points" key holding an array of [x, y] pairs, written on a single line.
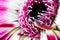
{"points": [[13, 4], [7, 16], [7, 25], [3, 2], [9, 34], [3, 8], [58, 34], [2, 17], [4, 31], [51, 35], [4, 22], [15, 36], [43, 36]]}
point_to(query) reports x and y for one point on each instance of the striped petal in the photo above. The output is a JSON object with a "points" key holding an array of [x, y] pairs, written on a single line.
{"points": [[9, 34], [51, 35], [8, 17], [57, 34], [4, 31]]}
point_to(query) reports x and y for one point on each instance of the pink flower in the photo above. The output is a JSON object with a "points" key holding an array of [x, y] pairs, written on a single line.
{"points": [[6, 21], [10, 24], [36, 16]]}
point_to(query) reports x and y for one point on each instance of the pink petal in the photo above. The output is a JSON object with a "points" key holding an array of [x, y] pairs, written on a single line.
{"points": [[6, 36], [3, 12], [51, 37], [7, 25], [58, 34], [2, 19], [3, 2], [4, 31], [3, 8], [9, 34]]}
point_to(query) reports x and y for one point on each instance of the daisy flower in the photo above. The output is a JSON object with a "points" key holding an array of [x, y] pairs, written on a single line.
{"points": [[29, 20]]}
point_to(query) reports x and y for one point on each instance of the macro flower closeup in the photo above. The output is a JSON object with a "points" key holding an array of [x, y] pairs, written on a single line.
{"points": [[29, 20]]}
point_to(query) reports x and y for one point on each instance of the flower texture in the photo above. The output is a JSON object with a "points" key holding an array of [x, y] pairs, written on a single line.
{"points": [[36, 15], [29, 20]]}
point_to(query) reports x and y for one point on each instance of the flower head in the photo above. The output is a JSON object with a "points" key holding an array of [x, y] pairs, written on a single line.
{"points": [[28, 20], [36, 15]]}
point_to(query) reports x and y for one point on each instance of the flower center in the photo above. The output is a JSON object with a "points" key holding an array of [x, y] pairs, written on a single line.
{"points": [[36, 10]]}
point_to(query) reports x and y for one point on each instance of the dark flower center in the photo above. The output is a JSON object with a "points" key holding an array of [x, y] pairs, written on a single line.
{"points": [[36, 10]]}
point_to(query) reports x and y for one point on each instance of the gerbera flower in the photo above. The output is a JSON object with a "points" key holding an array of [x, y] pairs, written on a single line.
{"points": [[16, 24]]}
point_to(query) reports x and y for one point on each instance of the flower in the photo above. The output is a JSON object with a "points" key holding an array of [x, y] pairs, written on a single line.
{"points": [[36, 15], [11, 23]]}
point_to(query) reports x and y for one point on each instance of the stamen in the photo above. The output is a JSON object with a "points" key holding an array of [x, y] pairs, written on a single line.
{"points": [[36, 10]]}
